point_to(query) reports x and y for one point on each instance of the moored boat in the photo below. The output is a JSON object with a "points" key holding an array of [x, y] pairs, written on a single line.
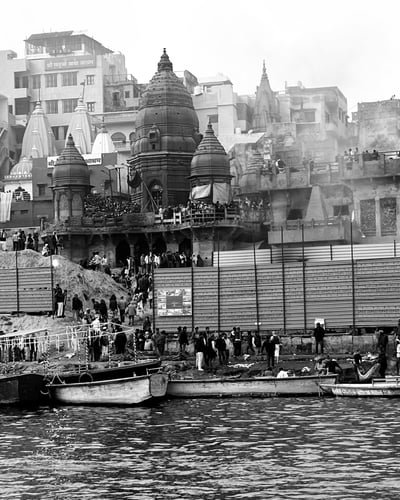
{"points": [[308, 385], [23, 388], [132, 390], [123, 370], [388, 387]]}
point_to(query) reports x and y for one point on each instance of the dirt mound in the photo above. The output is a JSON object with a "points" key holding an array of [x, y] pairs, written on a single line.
{"points": [[72, 277]]}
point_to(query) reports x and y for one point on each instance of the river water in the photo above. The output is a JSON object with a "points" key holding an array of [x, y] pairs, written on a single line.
{"points": [[274, 448]]}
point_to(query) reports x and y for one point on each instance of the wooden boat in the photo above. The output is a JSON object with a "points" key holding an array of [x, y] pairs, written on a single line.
{"points": [[132, 390], [24, 389], [124, 370], [387, 387], [308, 385]]}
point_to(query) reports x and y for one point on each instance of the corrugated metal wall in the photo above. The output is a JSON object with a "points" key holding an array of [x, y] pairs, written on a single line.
{"points": [[288, 295], [315, 254], [25, 290]]}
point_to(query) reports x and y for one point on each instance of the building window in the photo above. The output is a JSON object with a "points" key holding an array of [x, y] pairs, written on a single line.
{"points": [[388, 216], [309, 116], [36, 81], [127, 94], [116, 99], [339, 210], [51, 80], [42, 189], [21, 106], [89, 79], [10, 109], [51, 107], [213, 118], [91, 106], [55, 133], [69, 105], [295, 214], [21, 81], [65, 131], [70, 79], [368, 217]]}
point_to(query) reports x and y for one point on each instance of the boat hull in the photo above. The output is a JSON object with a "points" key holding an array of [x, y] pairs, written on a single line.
{"points": [[250, 387], [380, 389], [124, 371], [125, 391], [21, 389]]}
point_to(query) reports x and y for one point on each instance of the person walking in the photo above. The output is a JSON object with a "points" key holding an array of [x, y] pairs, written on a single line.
{"points": [[183, 339], [122, 307], [269, 347], [59, 299], [200, 348], [76, 307], [160, 340], [250, 343], [220, 344], [131, 311], [237, 342], [3, 240]]}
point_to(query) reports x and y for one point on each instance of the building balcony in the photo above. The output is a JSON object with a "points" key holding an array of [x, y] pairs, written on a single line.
{"points": [[385, 166], [332, 230], [149, 221], [301, 177]]}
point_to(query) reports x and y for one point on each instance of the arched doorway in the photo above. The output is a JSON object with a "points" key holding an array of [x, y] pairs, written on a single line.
{"points": [[122, 252], [159, 246], [185, 246]]}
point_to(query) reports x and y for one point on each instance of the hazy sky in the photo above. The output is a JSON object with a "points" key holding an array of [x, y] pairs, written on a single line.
{"points": [[351, 44]]}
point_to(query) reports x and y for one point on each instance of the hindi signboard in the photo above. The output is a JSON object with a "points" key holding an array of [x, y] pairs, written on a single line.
{"points": [[70, 62]]}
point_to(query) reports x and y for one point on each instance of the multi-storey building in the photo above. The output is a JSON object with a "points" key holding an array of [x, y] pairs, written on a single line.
{"points": [[60, 68]]}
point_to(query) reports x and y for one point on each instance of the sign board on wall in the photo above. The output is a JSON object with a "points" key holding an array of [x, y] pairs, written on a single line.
{"points": [[70, 62], [174, 302], [90, 159]]}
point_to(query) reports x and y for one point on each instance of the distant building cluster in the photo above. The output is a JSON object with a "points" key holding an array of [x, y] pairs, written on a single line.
{"points": [[81, 140]]}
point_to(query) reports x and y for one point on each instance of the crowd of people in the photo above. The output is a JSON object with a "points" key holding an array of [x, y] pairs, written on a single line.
{"points": [[196, 211], [102, 206], [210, 347], [31, 241]]}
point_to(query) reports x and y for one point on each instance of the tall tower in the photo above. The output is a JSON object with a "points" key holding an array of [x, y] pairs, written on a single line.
{"points": [[166, 138], [71, 183], [266, 108]]}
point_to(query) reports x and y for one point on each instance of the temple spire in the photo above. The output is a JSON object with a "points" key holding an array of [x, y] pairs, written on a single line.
{"points": [[165, 64], [264, 71]]}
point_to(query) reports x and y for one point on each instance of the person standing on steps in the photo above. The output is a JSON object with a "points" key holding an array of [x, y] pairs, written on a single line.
{"points": [[319, 334]]}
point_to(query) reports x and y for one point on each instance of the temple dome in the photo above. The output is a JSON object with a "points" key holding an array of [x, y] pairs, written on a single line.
{"points": [[168, 106], [70, 168], [103, 142], [22, 169], [210, 159]]}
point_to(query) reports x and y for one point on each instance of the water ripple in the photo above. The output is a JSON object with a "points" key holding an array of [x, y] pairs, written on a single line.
{"points": [[298, 448]]}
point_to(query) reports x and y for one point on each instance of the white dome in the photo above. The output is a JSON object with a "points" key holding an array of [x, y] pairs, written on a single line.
{"points": [[22, 169], [103, 143]]}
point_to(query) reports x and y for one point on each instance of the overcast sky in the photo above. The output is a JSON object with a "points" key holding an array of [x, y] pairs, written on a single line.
{"points": [[351, 44]]}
